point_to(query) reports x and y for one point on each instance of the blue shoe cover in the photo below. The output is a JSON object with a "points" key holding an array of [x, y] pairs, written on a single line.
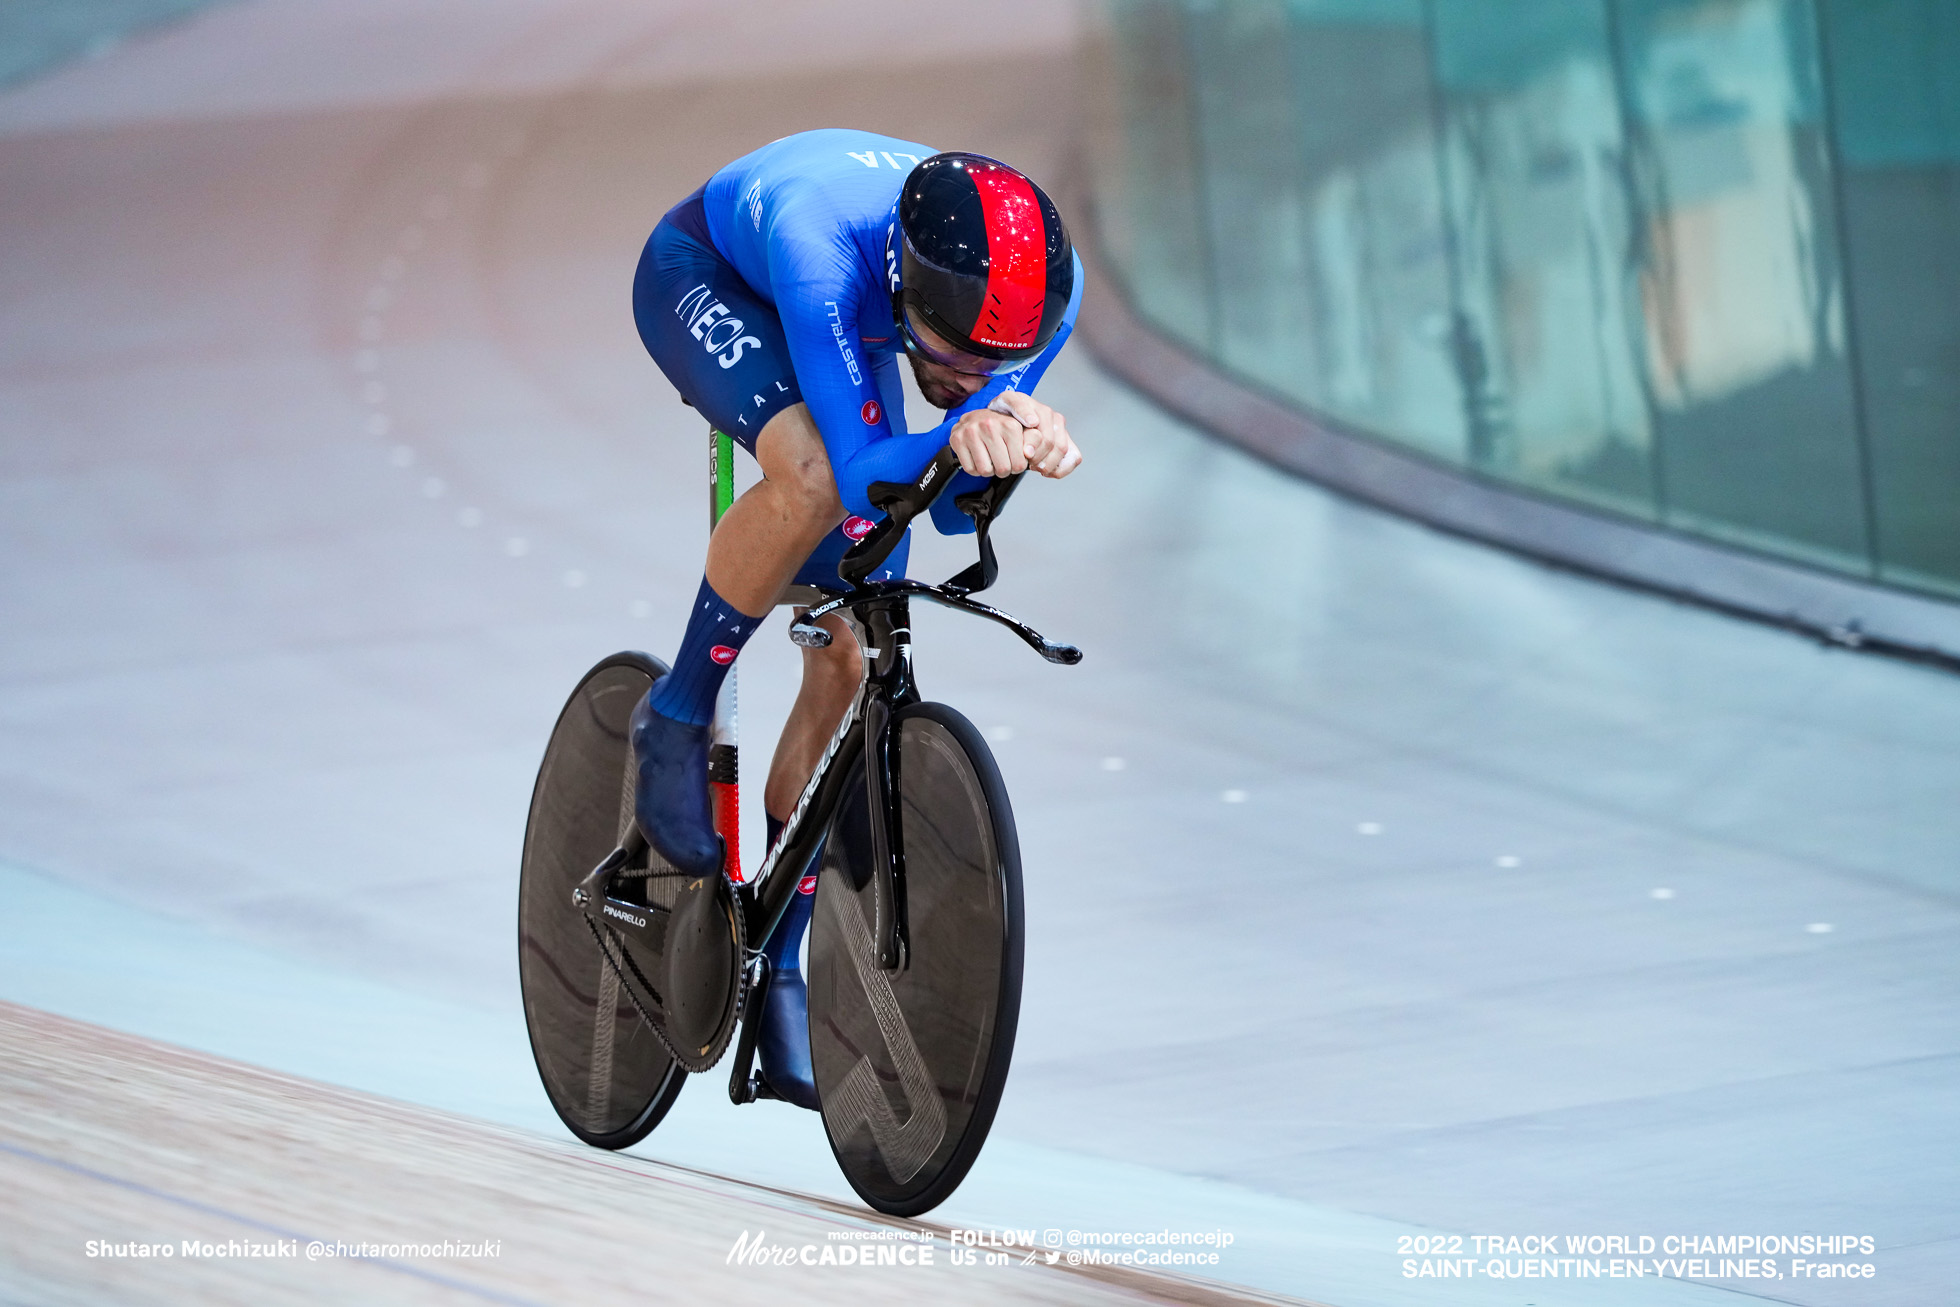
{"points": [[784, 1040], [670, 797]]}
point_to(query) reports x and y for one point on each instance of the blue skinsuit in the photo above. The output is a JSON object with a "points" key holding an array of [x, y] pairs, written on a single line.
{"points": [[770, 286], [802, 222]]}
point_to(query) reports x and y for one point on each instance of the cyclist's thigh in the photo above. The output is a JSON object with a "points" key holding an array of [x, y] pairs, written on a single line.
{"points": [[684, 283], [719, 343]]}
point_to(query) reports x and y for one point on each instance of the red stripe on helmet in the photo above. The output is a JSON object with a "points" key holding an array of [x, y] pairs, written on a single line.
{"points": [[1017, 258]]}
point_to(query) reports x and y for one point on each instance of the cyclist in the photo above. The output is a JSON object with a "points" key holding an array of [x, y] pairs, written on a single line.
{"points": [[777, 298]]}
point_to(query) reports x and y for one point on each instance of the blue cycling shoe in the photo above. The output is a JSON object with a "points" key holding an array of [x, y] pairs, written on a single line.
{"points": [[670, 798], [783, 1043], [783, 1039]]}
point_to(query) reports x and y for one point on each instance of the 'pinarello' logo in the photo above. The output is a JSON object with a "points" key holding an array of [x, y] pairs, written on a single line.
{"points": [[857, 528], [808, 885], [722, 654], [871, 412]]}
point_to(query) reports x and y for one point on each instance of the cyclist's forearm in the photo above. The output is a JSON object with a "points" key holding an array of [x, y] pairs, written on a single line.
{"points": [[895, 458]]}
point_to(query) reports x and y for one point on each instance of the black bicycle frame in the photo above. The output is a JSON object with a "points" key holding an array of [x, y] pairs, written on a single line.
{"points": [[864, 750]]}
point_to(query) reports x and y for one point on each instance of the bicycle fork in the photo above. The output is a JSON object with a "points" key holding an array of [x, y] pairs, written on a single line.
{"points": [[884, 629], [889, 627]]}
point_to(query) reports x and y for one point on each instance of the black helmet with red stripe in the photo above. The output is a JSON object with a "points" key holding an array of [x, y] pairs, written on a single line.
{"points": [[981, 258]]}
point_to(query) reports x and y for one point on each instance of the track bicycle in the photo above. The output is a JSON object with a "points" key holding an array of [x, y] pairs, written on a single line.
{"points": [[635, 976]]}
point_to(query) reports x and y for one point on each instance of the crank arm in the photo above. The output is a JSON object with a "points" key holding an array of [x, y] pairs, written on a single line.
{"points": [[594, 898], [597, 884]]}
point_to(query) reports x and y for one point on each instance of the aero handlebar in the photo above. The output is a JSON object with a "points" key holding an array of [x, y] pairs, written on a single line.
{"points": [[902, 502]]}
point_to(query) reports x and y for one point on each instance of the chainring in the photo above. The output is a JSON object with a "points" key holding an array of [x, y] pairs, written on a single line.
{"points": [[693, 1012]]}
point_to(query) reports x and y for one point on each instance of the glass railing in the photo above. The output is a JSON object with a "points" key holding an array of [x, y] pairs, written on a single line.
{"points": [[1690, 261], [37, 35]]}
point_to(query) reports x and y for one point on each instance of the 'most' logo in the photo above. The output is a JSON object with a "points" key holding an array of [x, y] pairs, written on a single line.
{"points": [[722, 654], [857, 528]]}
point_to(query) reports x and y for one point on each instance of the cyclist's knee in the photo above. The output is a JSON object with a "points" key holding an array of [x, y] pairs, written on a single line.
{"points": [[791, 453], [838, 666]]}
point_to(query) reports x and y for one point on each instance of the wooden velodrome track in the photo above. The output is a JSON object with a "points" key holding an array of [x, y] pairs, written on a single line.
{"points": [[111, 1138]]}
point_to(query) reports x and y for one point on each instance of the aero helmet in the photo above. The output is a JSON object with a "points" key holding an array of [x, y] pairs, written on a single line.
{"points": [[981, 257]]}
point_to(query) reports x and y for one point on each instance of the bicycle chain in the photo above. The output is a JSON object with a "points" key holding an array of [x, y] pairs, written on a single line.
{"points": [[659, 1029], [648, 872]]}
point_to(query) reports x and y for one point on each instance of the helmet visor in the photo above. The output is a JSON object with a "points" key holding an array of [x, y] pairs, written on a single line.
{"points": [[920, 342]]}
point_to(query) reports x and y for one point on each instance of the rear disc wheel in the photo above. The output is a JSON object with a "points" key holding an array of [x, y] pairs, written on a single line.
{"points": [[607, 1074]]}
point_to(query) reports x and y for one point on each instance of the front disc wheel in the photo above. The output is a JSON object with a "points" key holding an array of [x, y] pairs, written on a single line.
{"points": [[910, 1064]]}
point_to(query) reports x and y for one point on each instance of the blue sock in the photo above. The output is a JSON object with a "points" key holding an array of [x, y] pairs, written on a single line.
{"points": [[716, 632], [786, 943]]}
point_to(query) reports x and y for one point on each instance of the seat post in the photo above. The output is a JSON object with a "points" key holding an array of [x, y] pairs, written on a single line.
{"points": [[724, 756]]}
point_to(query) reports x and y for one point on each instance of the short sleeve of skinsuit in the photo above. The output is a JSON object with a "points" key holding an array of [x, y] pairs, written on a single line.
{"points": [[804, 221]]}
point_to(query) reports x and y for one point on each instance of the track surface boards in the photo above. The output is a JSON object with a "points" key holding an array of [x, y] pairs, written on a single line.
{"points": [[100, 1130]]}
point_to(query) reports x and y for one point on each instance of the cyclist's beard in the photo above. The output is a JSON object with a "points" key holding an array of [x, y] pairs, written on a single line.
{"points": [[939, 394]]}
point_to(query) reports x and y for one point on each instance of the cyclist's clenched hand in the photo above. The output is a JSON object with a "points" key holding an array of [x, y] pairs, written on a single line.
{"points": [[990, 443], [1046, 442]]}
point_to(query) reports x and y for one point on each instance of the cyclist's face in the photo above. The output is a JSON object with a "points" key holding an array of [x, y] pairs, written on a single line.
{"points": [[944, 385]]}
